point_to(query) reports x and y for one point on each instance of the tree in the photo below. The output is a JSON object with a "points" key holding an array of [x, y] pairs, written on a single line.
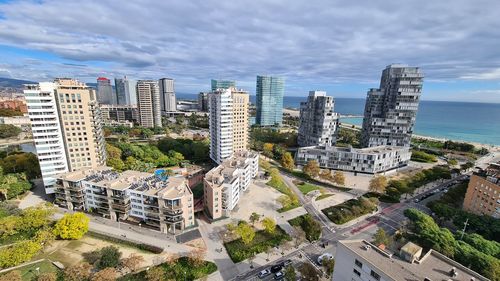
{"points": [[133, 262], [47, 276], [308, 272], [34, 218], [378, 184], [12, 275], [268, 149], [287, 161], [72, 226], [155, 274], [290, 274], [328, 264], [452, 162], [269, 225], [381, 237], [26, 163], [284, 200], [299, 236], [8, 131], [246, 232], [311, 168], [107, 274], [77, 272], [339, 178], [197, 257], [254, 217], [8, 226], [110, 257]]}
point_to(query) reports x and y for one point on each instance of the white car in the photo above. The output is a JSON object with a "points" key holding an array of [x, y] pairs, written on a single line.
{"points": [[324, 256], [264, 273]]}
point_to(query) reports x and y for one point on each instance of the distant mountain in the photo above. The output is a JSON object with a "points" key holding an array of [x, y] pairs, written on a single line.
{"points": [[13, 83]]}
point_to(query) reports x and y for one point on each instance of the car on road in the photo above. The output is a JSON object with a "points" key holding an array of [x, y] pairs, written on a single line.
{"points": [[279, 275], [264, 273], [277, 267], [416, 200], [324, 256]]}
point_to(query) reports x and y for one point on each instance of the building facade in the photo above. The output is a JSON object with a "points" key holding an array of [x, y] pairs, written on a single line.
{"points": [[14, 104], [224, 184], [148, 98], [47, 132], [228, 123], [67, 125], [203, 101], [358, 260], [318, 121], [105, 91], [391, 110], [165, 203], [483, 192], [365, 160], [167, 95], [124, 95], [221, 84], [116, 115], [269, 91]]}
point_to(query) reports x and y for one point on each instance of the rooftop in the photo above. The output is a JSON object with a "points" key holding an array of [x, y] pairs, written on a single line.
{"points": [[432, 265]]}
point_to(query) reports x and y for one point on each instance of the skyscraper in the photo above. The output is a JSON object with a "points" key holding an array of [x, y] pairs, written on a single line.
{"points": [[228, 122], [391, 110], [222, 84], [148, 97], [67, 127], [122, 88], [203, 101], [167, 95], [105, 91], [270, 91], [318, 121]]}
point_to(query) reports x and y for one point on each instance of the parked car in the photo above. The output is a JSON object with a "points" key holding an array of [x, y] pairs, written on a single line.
{"points": [[264, 273], [277, 267], [324, 256], [279, 275], [286, 263]]}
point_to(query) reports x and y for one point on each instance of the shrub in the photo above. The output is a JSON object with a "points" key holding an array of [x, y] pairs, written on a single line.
{"points": [[351, 209], [110, 257], [309, 225], [72, 226]]}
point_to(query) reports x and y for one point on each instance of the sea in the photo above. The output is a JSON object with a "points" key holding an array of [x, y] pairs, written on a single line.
{"points": [[462, 121]]}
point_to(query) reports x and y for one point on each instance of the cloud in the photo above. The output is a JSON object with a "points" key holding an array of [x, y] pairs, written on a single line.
{"points": [[321, 41]]}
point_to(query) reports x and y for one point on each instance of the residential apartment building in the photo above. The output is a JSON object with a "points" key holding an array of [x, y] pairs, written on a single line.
{"points": [[318, 121], [125, 92], [369, 160], [483, 192], [269, 91], [228, 122], [149, 103], [18, 104], [221, 84], [391, 110], [67, 127], [165, 203], [167, 95], [119, 115], [224, 184], [47, 132], [358, 260], [105, 91], [203, 101]]}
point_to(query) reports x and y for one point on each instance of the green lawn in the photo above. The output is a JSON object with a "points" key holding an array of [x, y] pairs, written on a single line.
{"points": [[307, 187], [183, 269], [239, 251], [281, 186], [29, 272]]}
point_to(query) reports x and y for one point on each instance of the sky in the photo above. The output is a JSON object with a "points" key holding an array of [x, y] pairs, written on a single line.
{"points": [[337, 46]]}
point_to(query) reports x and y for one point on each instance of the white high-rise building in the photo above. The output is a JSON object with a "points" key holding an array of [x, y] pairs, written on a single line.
{"points": [[167, 95], [47, 132], [221, 124], [148, 98], [318, 121]]}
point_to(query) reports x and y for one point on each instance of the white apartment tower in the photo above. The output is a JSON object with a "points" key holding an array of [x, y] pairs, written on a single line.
{"points": [[47, 132], [148, 99], [318, 121], [167, 95], [228, 120]]}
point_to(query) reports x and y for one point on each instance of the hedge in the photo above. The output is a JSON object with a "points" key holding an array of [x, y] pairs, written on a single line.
{"points": [[141, 246]]}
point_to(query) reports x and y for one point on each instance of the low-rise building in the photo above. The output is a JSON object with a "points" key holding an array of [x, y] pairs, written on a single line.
{"points": [[22, 122], [18, 104], [116, 115], [358, 260], [165, 203], [223, 184], [483, 192], [369, 160]]}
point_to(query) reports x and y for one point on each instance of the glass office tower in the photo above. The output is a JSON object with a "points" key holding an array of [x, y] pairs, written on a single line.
{"points": [[222, 84], [270, 91]]}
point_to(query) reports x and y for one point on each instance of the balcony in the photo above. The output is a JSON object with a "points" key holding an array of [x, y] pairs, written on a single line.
{"points": [[77, 200], [120, 207], [152, 216], [173, 219], [172, 210]]}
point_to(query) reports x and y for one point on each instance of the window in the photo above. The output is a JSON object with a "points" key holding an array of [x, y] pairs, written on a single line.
{"points": [[356, 272], [375, 275], [358, 263]]}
